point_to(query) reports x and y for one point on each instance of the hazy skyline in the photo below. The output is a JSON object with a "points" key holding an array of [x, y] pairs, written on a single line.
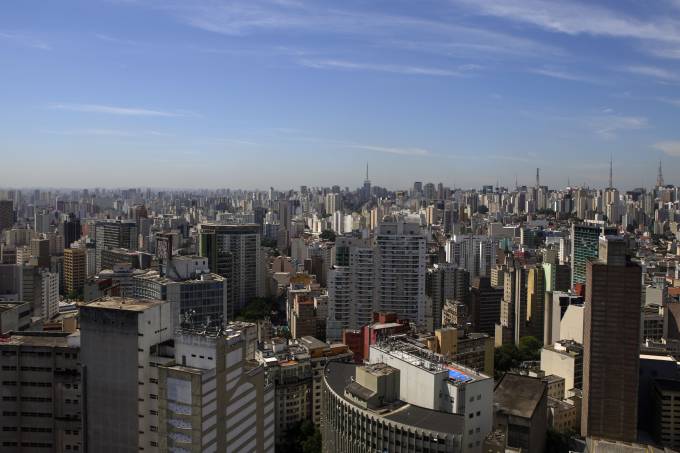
{"points": [[256, 93]]}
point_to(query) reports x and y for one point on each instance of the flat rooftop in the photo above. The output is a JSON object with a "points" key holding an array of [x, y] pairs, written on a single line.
{"points": [[519, 395], [123, 303], [427, 360], [340, 375], [380, 369], [46, 339]]}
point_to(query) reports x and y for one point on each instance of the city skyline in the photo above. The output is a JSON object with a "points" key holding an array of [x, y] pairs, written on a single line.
{"points": [[249, 94]]}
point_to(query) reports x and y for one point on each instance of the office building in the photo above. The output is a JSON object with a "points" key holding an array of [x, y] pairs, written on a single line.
{"points": [[6, 214], [123, 342], [72, 230], [584, 246], [611, 343], [196, 299], [42, 393], [111, 234], [117, 255], [485, 305], [233, 251]]}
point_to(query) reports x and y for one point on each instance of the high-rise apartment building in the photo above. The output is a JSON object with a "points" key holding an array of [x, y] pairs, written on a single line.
{"points": [[49, 294], [351, 286], [123, 342], [42, 394], [400, 270], [233, 251], [333, 202], [476, 254], [584, 246], [386, 275], [444, 282], [213, 397], [75, 270], [611, 343]]}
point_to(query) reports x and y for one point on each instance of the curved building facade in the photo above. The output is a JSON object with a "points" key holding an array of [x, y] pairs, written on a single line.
{"points": [[362, 413]]}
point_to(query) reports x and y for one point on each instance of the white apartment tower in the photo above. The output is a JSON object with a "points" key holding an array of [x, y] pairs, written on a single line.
{"points": [[214, 397]]}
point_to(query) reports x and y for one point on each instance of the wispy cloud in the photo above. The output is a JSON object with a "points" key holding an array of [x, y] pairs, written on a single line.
{"points": [[575, 18], [672, 148], [565, 75], [107, 133], [112, 39], [609, 126], [397, 69], [123, 111], [24, 40], [418, 152], [413, 33], [661, 74]]}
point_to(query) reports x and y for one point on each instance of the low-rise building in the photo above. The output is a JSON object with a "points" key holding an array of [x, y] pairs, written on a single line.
{"points": [[15, 316], [521, 412], [296, 371]]}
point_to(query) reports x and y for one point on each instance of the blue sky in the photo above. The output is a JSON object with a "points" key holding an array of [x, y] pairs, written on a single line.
{"points": [[253, 93]]}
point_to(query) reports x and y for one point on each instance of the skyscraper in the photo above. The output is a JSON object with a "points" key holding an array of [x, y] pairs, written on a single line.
{"points": [[72, 230], [233, 251], [584, 246], [113, 234], [350, 286], [611, 347], [400, 269], [122, 345], [75, 270], [214, 379], [6, 214]]}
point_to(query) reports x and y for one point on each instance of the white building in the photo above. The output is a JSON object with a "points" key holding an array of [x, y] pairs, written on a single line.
{"points": [[49, 294], [213, 397], [475, 253], [429, 381]]}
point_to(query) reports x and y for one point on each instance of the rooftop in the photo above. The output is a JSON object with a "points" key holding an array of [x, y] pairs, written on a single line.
{"points": [[340, 375], [46, 339], [519, 395], [401, 347], [123, 303]]}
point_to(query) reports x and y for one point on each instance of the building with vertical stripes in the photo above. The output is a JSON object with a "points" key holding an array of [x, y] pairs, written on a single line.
{"points": [[214, 397]]}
